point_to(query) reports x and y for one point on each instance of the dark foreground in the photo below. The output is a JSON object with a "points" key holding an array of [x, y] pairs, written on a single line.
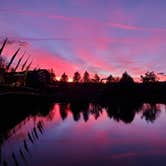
{"points": [[83, 125]]}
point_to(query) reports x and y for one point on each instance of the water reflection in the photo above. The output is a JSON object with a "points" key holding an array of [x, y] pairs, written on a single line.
{"points": [[121, 112], [151, 112], [49, 137], [23, 149]]}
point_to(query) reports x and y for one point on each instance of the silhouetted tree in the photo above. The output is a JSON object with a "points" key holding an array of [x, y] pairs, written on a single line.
{"points": [[86, 77], [64, 77], [52, 75], [110, 79], [96, 78], [76, 77], [149, 77], [126, 78], [116, 79]]}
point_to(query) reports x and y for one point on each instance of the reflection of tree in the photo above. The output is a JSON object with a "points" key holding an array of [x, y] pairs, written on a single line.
{"points": [[118, 111], [150, 112], [85, 114], [76, 108], [49, 114], [122, 111], [95, 109], [76, 116], [63, 110]]}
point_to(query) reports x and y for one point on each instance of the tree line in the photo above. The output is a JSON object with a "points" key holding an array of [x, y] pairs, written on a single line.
{"points": [[86, 78]]}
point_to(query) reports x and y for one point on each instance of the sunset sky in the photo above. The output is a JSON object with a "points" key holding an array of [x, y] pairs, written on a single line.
{"points": [[101, 36]]}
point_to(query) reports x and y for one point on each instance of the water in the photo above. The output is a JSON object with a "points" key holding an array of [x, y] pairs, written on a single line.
{"points": [[89, 134]]}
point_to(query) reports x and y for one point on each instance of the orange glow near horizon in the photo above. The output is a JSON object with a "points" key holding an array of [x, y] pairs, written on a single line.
{"points": [[70, 80]]}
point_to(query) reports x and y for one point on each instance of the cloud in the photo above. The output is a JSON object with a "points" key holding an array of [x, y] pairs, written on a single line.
{"points": [[45, 59], [83, 20], [137, 28], [101, 45], [45, 39]]}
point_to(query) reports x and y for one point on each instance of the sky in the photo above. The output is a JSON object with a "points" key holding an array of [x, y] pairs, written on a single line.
{"points": [[100, 36]]}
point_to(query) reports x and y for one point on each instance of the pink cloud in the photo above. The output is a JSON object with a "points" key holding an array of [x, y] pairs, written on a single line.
{"points": [[45, 59], [83, 20], [91, 60]]}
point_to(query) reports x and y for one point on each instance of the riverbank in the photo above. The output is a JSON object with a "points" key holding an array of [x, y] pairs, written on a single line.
{"points": [[89, 91], [108, 92]]}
